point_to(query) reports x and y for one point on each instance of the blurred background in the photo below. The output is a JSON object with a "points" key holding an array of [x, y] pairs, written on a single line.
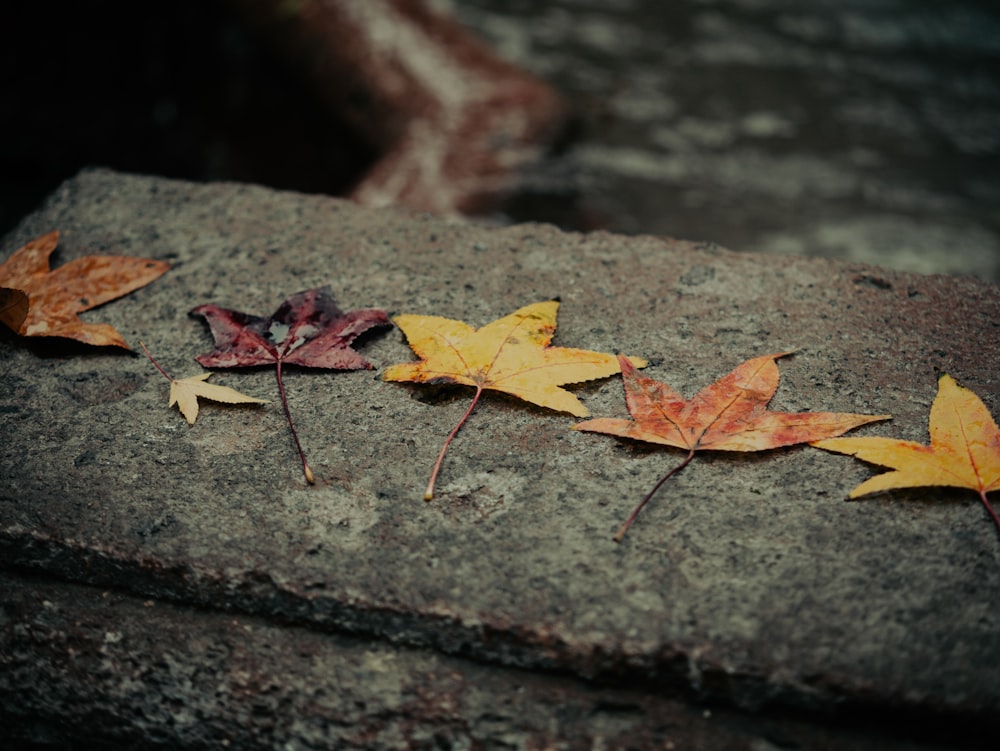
{"points": [[866, 130]]}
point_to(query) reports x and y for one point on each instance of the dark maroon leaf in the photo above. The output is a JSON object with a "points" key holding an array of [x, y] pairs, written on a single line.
{"points": [[308, 330]]}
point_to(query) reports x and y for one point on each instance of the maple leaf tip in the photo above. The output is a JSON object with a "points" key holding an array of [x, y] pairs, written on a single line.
{"points": [[637, 362]]}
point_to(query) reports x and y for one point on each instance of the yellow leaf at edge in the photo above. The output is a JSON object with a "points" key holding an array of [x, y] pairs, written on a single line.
{"points": [[964, 451]]}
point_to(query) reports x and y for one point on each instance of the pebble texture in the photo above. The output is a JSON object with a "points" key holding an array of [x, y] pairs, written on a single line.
{"points": [[748, 581]]}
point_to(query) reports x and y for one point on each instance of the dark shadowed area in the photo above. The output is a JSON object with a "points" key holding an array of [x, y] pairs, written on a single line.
{"points": [[865, 130]]}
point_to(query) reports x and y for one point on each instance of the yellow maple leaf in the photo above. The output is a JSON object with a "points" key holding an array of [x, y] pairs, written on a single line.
{"points": [[964, 451], [184, 392], [511, 354]]}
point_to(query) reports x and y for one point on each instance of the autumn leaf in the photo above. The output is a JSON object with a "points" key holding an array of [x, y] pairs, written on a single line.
{"points": [[35, 301], [511, 354], [184, 392], [729, 415], [964, 451], [13, 308], [307, 330]]}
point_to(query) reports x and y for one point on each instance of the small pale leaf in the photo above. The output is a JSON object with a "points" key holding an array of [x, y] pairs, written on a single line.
{"points": [[184, 392]]}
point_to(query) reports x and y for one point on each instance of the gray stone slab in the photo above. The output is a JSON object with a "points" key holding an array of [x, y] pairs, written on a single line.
{"points": [[87, 668], [748, 580]]}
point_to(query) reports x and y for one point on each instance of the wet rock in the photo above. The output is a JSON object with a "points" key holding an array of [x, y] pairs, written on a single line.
{"points": [[749, 583]]}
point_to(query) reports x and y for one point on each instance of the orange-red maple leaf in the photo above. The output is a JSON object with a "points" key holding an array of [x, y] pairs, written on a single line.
{"points": [[729, 415], [35, 301], [964, 451]]}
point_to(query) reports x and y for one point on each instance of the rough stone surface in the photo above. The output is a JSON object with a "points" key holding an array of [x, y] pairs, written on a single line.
{"points": [[159, 674], [748, 582]]}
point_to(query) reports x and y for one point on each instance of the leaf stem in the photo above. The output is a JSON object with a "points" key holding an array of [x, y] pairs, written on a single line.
{"points": [[628, 522], [989, 509], [429, 493], [310, 477], [155, 363]]}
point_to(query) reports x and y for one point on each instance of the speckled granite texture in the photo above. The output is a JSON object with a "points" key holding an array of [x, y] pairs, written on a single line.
{"points": [[749, 582]]}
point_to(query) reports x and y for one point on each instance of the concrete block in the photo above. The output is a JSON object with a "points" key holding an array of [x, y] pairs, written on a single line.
{"points": [[749, 581]]}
